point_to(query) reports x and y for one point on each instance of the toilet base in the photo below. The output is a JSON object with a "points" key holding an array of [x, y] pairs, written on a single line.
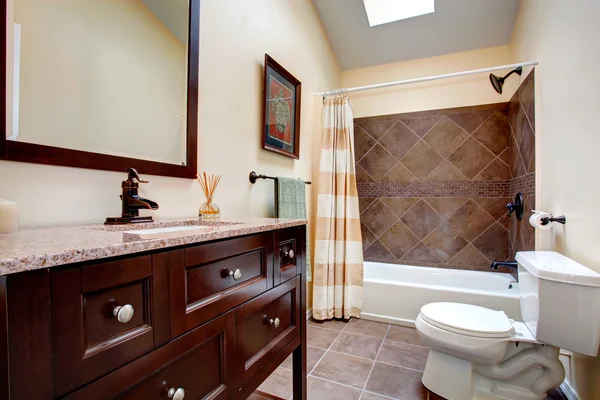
{"points": [[457, 379]]}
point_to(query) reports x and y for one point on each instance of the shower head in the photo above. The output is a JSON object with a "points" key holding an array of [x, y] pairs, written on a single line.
{"points": [[498, 82]]}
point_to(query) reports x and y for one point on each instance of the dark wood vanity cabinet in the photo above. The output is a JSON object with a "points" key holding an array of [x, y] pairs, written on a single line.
{"points": [[199, 363], [212, 320], [266, 324], [215, 277], [89, 336], [287, 261]]}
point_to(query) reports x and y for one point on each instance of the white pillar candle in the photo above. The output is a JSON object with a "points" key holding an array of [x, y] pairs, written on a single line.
{"points": [[9, 221]]}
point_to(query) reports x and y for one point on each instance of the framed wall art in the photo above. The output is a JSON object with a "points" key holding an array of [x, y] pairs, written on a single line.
{"points": [[281, 110]]}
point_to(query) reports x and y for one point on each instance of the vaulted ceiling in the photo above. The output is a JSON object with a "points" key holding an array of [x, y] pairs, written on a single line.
{"points": [[455, 26]]}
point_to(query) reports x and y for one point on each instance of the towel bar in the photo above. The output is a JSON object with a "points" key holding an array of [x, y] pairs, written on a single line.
{"points": [[254, 176]]}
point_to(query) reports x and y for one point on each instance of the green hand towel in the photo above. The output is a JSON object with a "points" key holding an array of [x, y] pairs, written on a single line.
{"points": [[290, 202]]}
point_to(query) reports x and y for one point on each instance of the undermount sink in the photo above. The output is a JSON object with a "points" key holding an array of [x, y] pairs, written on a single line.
{"points": [[155, 233], [157, 230]]}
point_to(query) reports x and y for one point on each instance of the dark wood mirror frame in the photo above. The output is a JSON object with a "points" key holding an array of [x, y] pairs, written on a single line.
{"points": [[41, 154]]}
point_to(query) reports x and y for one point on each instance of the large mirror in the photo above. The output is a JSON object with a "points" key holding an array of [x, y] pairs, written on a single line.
{"points": [[106, 84]]}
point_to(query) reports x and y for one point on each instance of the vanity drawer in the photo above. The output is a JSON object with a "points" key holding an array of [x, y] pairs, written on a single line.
{"points": [[217, 277], [198, 363], [288, 258], [266, 324], [101, 319]]}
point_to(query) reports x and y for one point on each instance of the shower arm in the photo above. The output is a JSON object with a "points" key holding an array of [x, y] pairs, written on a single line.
{"points": [[516, 70]]}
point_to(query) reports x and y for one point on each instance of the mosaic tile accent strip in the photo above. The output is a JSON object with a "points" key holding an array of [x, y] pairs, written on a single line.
{"points": [[524, 184], [435, 189]]}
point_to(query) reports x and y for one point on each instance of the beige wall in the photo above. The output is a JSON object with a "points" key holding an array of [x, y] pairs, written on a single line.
{"points": [[102, 76], [446, 93], [564, 37], [235, 35]]}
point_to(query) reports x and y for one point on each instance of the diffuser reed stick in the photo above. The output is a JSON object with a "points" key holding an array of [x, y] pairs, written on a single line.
{"points": [[209, 183]]}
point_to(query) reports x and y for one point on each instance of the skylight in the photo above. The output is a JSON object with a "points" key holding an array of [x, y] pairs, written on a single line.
{"points": [[384, 11]]}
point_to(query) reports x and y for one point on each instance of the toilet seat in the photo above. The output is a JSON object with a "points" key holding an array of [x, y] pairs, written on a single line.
{"points": [[468, 320]]}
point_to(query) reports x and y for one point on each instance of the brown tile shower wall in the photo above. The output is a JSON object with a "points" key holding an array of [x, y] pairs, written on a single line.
{"points": [[433, 185], [521, 117]]}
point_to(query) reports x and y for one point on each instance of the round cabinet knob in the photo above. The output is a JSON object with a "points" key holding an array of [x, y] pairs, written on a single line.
{"points": [[275, 322], [176, 394], [289, 253], [236, 275], [124, 313]]}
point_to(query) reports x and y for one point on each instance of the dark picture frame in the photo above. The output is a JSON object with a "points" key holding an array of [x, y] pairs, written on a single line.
{"points": [[42, 154], [282, 95]]}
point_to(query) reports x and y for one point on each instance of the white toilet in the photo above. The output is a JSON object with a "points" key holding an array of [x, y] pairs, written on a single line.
{"points": [[477, 353]]}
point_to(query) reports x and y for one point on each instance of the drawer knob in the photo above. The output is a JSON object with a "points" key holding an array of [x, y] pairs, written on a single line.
{"points": [[289, 253], [275, 322], [236, 275], [176, 394], [124, 313]]}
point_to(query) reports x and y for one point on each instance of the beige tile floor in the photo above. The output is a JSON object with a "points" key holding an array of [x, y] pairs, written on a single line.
{"points": [[358, 360]]}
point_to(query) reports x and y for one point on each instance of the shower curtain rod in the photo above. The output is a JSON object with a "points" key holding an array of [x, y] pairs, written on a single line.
{"points": [[425, 79]]}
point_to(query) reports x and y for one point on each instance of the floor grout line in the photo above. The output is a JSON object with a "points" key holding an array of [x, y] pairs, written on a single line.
{"points": [[351, 333], [337, 383], [379, 394], [376, 357], [406, 343], [373, 359], [326, 351]]}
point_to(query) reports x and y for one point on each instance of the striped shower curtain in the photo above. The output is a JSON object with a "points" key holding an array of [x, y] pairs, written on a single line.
{"points": [[338, 263]]}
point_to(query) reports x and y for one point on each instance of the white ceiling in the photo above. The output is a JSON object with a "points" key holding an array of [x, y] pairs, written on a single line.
{"points": [[455, 26]]}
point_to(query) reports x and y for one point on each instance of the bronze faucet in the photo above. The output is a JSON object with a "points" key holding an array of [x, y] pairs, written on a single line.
{"points": [[131, 202]]}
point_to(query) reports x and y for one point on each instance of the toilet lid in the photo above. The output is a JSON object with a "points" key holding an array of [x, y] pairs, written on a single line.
{"points": [[467, 319]]}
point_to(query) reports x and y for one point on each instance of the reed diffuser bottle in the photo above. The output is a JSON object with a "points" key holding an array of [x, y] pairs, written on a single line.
{"points": [[209, 211]]}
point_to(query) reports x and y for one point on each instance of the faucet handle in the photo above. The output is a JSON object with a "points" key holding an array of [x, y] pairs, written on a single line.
{"points": [[133, 174]]}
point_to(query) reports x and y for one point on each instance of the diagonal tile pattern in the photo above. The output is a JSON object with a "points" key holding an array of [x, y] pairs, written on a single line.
{"points": [[445, 242], [471, 158], [421, 125], [421, 219], [470, 220], [399, 140], [421, 160], [493, 132], [378, 218], [422, 145], [440, 148], [470, 121], [454, 232], [445, 137], [521, 118], [377, 162]]}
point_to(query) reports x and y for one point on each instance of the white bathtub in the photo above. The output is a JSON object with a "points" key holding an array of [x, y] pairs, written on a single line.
{"points": [[395, 293]]}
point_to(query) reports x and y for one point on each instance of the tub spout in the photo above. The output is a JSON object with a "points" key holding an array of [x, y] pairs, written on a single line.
{"points": [[553, 375], [507, 264]]}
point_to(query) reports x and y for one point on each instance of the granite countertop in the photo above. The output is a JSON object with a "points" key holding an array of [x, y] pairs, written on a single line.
{"points": [[31, 249]]}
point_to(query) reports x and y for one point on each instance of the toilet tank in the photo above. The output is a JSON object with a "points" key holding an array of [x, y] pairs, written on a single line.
{"points": [[560, 301]]}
